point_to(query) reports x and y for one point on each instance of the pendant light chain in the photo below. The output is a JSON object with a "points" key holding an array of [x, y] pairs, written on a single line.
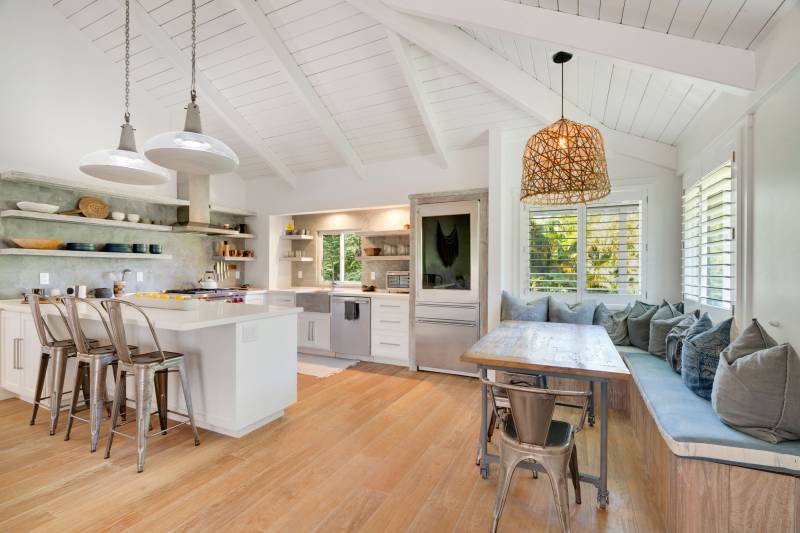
{"points": [[127, 61], [193, 92]]}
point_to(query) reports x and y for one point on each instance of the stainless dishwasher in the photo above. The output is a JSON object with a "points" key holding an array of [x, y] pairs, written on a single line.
{"points": [[350, 331]]}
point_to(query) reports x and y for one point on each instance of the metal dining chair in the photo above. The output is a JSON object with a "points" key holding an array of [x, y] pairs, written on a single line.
{"points": [[59, 350], [529, 433], [143, 367], [94, 361]]}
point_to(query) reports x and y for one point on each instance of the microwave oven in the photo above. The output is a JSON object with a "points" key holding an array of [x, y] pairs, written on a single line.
{"points": [[398, 281]]}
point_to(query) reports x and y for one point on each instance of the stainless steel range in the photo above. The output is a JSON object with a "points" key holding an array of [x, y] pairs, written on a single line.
{"points": [[228, 295]]}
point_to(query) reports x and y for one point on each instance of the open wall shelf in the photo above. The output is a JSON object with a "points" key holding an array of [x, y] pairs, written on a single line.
{"points": [[88, 255]]}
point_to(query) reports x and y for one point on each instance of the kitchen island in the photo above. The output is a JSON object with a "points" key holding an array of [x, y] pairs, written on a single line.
{"points": [[241, 359]]}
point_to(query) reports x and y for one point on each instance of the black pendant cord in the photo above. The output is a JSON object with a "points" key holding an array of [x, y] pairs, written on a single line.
{"points": [[562, 91]]}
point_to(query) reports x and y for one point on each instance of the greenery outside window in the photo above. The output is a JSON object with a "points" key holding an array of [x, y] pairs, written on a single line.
{"points": [[586, 250], [339, 255]]}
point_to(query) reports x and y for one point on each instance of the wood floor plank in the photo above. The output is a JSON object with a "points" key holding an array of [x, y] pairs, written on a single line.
{"points": [[373, 448]]}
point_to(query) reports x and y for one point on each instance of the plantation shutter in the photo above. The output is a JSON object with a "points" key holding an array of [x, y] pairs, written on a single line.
{"points": [[613, 243], [709, 219], [552, 251]]}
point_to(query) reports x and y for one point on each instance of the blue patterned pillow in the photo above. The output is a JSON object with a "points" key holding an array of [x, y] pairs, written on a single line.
{"points": [[700, 354]]}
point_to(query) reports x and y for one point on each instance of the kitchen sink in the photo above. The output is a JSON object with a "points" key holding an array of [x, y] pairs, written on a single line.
{"points": [[314, 302]]}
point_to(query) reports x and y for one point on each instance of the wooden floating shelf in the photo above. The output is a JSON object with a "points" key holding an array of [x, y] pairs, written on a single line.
{"points": [[384, 258], [216, 208], [297, 237], [74, 253], [298, 259], [83, 188], [237, 236], [385, 233], [228, 258], [68, 219]]}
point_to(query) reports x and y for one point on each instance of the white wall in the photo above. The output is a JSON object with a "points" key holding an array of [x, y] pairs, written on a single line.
{"points": [[772, 172], [61, 97]]}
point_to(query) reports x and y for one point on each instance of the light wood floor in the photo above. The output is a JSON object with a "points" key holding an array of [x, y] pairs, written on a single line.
{"points": [[374, 448]]}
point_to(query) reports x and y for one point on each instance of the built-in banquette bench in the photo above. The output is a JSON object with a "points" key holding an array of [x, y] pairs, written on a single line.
{"points": [[703, 475]]}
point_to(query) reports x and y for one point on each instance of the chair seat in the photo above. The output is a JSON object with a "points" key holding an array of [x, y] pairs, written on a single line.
{"points": [[150, 358], [558, 435], [100, 350]]}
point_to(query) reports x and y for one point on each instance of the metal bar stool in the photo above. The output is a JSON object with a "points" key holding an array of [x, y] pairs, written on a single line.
{"points": [[93, 361], [143, 366], [59, 351], [529, 433]]}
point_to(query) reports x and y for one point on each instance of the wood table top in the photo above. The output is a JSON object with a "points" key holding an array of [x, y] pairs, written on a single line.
{"points": [[550, 347]]}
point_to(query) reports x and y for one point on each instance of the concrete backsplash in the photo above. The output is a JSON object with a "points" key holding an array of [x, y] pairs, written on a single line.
{"points": [[191, 254], [367, 219]]}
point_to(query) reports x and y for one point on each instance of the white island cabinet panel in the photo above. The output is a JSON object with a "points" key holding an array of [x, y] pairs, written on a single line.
{"points": [[241, 359]]}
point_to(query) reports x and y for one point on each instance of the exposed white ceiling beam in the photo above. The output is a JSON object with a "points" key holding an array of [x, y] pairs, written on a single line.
{"points": [[400, 48], [207, 92], [253, 15], [714, 65], [463, 53]]}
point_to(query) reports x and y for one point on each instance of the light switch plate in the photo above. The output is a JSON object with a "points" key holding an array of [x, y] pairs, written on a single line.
{"points": [[140, 276], [299, 274], [44, 278], [372, 276], [238, 274]]}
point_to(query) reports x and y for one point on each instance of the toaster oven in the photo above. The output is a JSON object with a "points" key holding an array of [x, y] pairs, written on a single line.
{"points": [[398, 281]]}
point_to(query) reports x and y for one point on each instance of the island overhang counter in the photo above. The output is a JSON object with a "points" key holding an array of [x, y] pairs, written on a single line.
{"points": [[241, 358]]}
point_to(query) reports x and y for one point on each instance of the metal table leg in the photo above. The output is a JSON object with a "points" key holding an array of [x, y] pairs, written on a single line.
{"points": [[591, 404], [484, 460], [602, 489]]}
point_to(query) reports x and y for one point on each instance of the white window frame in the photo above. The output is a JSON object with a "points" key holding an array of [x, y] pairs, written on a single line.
{"points": [[620, 195], [716, 312], [320, 247]]}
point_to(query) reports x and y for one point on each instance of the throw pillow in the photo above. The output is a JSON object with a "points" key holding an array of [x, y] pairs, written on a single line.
{"points": [[666, 317], [700, 355], [639, 324], [579, 313], [615, 323], [755, 389], [512, 308], [674, 341]]}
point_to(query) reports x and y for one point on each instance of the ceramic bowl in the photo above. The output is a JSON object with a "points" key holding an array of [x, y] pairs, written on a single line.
{"points": [[118, 215], [37, 208], [133, 217], [36, 244]]}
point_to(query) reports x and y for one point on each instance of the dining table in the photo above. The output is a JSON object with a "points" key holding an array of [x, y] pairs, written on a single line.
{"points": [[574, 351]]}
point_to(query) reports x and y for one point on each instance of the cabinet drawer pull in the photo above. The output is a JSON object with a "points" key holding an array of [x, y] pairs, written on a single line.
{"points": [[390, 321], [389, 306], [389, 344], [17, 364]]}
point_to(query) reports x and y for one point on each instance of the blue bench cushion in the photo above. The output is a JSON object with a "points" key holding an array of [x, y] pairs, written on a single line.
{"points": [[692, 429]]}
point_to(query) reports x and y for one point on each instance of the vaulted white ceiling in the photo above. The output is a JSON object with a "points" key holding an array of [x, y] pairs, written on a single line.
{"points": [[300, 85]]}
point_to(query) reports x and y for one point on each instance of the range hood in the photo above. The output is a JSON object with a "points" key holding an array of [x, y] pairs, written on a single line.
{"points": [[196, 217]]}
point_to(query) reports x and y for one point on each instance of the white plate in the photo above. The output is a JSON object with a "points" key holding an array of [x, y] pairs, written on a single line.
{"points": [[38, 208]]}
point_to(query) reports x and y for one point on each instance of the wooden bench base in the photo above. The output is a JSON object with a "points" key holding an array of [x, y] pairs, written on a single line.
{"points": [[697, 496]]}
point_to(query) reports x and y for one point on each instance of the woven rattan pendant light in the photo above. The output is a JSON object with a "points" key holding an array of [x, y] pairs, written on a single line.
{"points": [[565, 163]]}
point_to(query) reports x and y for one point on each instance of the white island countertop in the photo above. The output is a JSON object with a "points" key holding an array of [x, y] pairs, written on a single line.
{"points": [[355, 291], [207, 314]]}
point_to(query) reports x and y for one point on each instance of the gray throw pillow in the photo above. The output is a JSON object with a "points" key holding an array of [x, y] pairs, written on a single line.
{"points": [[579, 313], [512, 308], [700, 355], [639, 324], [756, 386], [666, 317], [674, 341], [615, 323]]}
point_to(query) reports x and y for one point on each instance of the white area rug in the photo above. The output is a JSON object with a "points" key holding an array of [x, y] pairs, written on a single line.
{"points": [[321, 367]]}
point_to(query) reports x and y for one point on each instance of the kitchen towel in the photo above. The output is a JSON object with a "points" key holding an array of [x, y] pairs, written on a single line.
{"points": [[351, 310]]}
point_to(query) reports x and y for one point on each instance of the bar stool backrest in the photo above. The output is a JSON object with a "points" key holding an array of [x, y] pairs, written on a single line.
{"points": [[46, 337], [71, 304], [532, 410], [114, 309]]}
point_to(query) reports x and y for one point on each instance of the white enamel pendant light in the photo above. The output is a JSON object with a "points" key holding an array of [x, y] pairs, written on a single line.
{"points": [[125, 164], [190, 150]]}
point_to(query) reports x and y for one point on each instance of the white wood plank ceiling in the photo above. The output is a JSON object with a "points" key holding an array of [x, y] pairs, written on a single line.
{"points": [[353, 69]]}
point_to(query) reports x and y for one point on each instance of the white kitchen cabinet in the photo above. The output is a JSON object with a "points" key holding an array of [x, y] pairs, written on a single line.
{"points": [[258, 298], [314, 331], [20, 355], [390, 330], [281, 298]]}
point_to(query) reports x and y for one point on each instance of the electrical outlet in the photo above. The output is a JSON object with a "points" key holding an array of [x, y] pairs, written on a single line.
{"points": [[299, 274], [140, 276], [238, 274], [44, 278], [372, 276]]}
